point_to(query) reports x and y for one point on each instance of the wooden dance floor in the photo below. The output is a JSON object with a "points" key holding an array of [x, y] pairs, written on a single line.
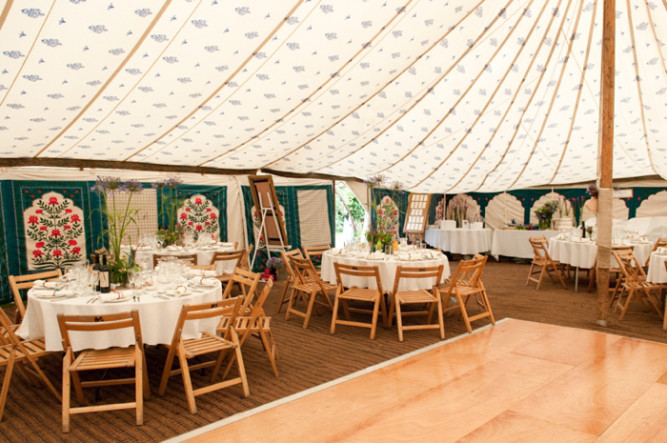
{"points": [[517, 381]]}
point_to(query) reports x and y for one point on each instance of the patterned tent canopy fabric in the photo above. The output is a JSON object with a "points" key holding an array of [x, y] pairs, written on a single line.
{"points": [[441, 96]]}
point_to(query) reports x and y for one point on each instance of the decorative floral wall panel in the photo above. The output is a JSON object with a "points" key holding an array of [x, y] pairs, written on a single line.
{"points": [[54, 232], [198, 216]]}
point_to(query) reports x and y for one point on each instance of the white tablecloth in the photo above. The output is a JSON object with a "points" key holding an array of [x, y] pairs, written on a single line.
{"points": [[514, 242], [387, 267], [204, 254], [582, 254], [656, 269], [460, 241], [158, 318]]}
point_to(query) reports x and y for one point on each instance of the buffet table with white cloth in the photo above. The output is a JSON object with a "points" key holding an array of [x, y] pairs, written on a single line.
{"points": [[656, 268], [145, 254], [158, 313], [387, 264], [460, 240], [514, 242]]}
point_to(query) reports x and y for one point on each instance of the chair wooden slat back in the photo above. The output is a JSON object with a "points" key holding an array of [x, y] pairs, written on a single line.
{"points": [[102, 359], [20, 282], [247, 282], [419, 297], [208, 343], [245, 260], [188, 258], [354, 294], [311, 252], [305, 271]]}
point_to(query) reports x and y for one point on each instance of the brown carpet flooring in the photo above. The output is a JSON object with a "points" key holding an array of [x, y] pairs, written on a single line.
{"points": [[307, 358]]}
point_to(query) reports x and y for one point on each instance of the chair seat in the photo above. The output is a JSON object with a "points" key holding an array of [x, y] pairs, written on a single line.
{"points": [[361, 294], [418, 296], [467, 290], [206, 344], [244, 323], [104, 358], [313, 286]]}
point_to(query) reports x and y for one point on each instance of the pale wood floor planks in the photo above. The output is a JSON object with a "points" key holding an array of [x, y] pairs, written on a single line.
{"points": [[517, 381]]}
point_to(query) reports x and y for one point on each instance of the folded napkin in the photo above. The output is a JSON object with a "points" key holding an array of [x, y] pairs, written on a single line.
{"points": [[173, 248], [178, 290], [202, 273], [205, 281], [114, 296], [51, 293], [46, 284]]}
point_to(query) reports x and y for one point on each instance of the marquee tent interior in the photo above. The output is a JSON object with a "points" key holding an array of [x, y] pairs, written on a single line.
{"points": [[440, 96]]}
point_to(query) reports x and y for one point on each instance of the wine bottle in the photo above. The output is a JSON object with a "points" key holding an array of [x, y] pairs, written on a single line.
{"points": [[105, 285], [96, 272], [583, 229]]}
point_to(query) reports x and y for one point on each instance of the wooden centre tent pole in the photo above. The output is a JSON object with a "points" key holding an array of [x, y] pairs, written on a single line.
{"points": [[606, 154]]}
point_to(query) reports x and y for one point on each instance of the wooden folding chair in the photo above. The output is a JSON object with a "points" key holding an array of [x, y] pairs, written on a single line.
{"points": [[208, 343], [466, 283], [257, 324], [14, 350], [20, 282], [247, 282], [102, 359], [615, 269], [227, 260], [431, 298], [634, 283], [659, 243], [291, 277], [309, 288], [357, 294], [543, 261], [188, 258], [245, 260]]}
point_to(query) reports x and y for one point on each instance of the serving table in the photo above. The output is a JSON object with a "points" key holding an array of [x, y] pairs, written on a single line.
{"points": [[158, 313], [514, 242], [387, 264], [459, 240]]}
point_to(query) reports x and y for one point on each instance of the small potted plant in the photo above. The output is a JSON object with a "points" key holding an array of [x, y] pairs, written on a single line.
{"points": [[275, 265]]}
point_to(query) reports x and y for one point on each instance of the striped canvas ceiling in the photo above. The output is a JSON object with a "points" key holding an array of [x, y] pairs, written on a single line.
{"points": [[441, 96]]}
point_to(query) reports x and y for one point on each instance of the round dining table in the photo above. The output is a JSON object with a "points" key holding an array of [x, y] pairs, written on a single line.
{"points": [[657, 273], [158, 314], [145, 254], [582, 253], [387, 265], [460, 240]]}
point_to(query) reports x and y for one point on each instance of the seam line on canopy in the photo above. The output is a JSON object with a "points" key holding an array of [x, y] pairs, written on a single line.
{"points": [[133, 88], [334, 77], [228, 97], [639, 87], [569, 42], [579, 91], [223, 84], [509, 68], [392, 80], [5, 13], [526, 106], [110, 79], [402, 112], [553, 47]]}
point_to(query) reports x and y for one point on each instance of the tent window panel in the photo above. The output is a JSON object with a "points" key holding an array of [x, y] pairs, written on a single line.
{"points": [[145, 204], [313, 220]]}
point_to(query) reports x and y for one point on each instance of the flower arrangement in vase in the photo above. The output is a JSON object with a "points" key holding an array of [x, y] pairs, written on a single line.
{"points": [[120, 216], [545, 214]]}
